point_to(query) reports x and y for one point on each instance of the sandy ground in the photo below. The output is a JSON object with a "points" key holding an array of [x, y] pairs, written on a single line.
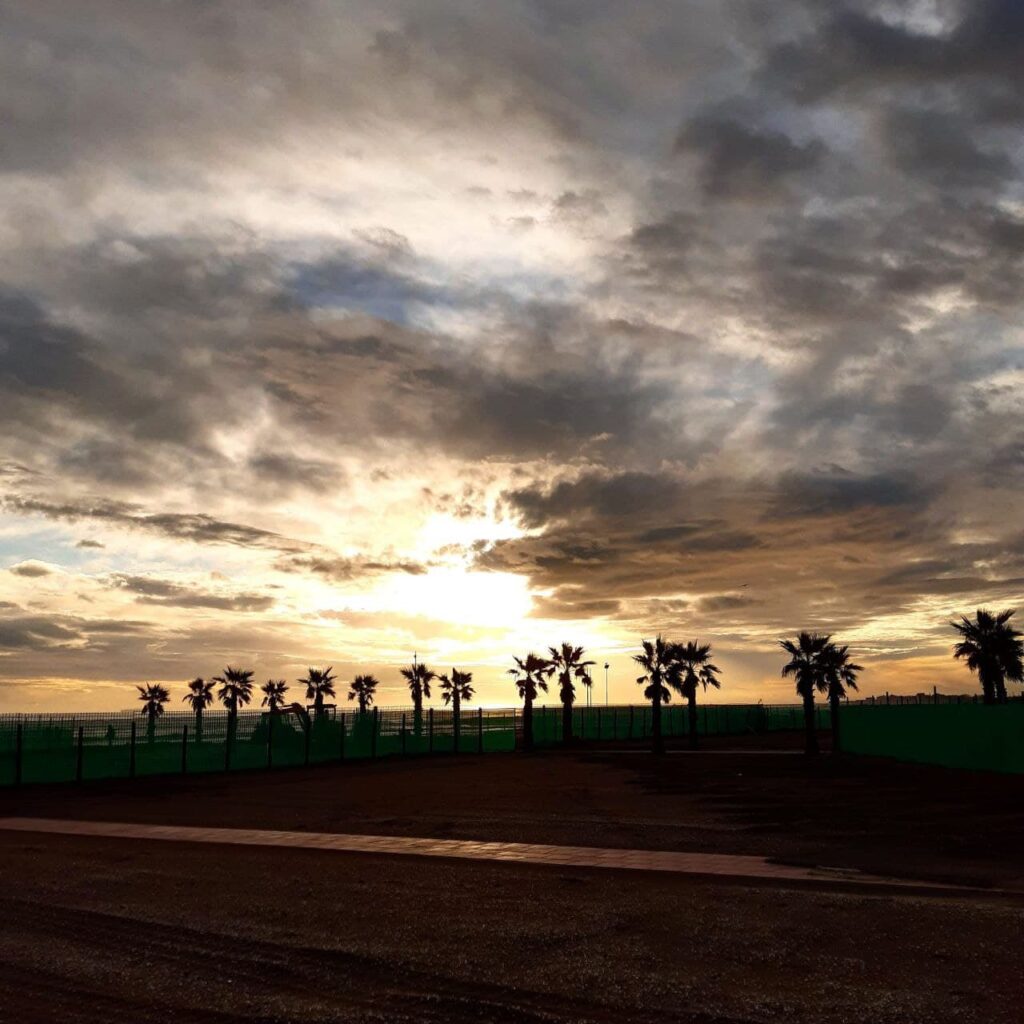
{"points": [[101, 930]]}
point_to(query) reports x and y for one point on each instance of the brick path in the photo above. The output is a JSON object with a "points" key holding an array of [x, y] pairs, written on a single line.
{"points": [[701, 864]]}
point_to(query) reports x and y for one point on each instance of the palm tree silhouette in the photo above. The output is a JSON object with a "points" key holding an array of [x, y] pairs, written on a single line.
{"points": [[454, 690], [840, 676], [319, 684], [153, 697], [656, 661], [992, 648], [363, 689], [807, 665], [234, 693], [199, 698], [567, 662], [529, 675], [692, 667], [274, 691], [419, 678]]}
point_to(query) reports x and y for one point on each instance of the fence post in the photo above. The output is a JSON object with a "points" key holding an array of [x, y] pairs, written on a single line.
{"points": [[373, 733], [184, 750], [270, 738], [480, 729], [430, 730], [403, 733], [78, 757], [341, 755], [131, 751], [18, 747]]}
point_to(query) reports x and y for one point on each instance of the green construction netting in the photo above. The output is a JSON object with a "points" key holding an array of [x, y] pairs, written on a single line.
{"points": [[974, 736], [61, 748]]}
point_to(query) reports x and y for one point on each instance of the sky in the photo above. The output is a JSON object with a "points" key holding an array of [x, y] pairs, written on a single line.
{"points": [[331, 332]]}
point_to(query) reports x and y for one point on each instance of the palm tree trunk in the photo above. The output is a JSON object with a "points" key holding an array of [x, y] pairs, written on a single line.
{"points": [[417, 713], [833, 702], [1000, 689], [456, 718], [528, 723], [691, 711], [199, 725], [567, 719], [657, 743], [318, 706], [151, 728], [811, 732], [988, 690]]}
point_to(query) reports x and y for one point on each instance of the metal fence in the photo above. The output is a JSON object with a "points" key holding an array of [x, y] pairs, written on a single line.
{"points": [[79, 747]]}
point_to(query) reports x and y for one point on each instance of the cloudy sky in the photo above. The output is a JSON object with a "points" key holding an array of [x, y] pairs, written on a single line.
{"points": [[332, 331]]}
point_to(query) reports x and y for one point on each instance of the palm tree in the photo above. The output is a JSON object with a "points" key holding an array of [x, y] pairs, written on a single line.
{"points": [[692, 667], [199, 698], [363, 689], [274, 691], [567, 661], [807, 665], [153, 697], [656, 661], [840, 676], [319, 684], [419, 678], [454, 690], [529, 678], [234, 693], [992, 648]]}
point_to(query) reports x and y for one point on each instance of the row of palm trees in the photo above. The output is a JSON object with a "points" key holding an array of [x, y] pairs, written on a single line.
{"points": [[989, 644]]}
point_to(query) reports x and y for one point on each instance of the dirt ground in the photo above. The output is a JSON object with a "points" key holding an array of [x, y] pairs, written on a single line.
{"points": [[128, 930]]}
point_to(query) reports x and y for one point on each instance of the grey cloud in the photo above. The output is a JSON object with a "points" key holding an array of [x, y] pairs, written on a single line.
{"points": [[32, 570], [150, 590], [938, 148], [196, 527]]}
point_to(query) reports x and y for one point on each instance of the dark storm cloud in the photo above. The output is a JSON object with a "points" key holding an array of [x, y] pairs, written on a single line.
{"points": [[163, 592], [838, 491], [739, 161], [856, 48], [593, 495]]}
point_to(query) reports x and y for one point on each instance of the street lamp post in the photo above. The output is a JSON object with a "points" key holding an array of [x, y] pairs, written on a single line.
{"points": [[606, 684]]}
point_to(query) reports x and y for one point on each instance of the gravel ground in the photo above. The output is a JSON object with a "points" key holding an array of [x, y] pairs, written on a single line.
{"points": [[99, 930]]}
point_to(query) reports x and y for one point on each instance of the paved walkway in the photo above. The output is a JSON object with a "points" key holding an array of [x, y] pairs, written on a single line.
{"points": [[700, 864]]}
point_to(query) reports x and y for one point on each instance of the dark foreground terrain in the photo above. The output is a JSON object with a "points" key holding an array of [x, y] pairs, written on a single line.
{"points": [[130, 930]]}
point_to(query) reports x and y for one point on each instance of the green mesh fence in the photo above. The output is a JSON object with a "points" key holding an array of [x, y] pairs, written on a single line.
{"points": [[974, 736], [65, 748]]}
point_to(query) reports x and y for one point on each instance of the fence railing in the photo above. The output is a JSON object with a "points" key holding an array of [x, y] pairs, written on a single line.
{"points": [[79, 747]]}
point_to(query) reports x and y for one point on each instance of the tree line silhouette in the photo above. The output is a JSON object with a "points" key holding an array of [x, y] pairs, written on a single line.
{"points": [[991, 647]]}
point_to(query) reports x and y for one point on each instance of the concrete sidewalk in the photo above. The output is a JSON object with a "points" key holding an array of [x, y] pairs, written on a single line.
{"points": [[695, 864]]}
